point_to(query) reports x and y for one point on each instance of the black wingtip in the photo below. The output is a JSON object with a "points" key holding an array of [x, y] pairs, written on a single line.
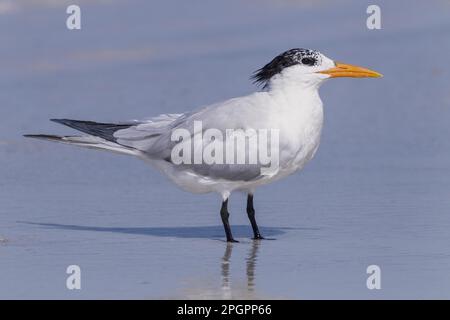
{"points": [[98, 129], [61, 121], [42, 136], [31, 135]]}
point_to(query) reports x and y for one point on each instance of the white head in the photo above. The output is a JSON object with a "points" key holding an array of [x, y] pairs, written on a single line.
{"points": [[306, 68]]}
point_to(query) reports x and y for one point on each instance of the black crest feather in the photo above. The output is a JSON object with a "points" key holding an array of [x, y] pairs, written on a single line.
{"points": [[284, 60]]}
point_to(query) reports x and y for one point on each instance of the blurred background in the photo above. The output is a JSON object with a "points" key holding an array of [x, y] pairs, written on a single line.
{"points": [[376, 193]]}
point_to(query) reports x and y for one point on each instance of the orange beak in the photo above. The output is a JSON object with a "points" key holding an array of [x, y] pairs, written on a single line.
{"points": [[348, 70]]}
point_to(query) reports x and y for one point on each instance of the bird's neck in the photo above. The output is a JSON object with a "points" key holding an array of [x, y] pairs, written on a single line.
{"points": [[295, 80], [300, 94]]}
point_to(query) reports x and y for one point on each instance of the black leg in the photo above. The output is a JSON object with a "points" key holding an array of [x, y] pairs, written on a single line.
{"points": [[224, 215], [251, 216]]}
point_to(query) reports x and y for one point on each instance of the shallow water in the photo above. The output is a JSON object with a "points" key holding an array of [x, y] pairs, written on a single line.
{"points": [[376, 193]]}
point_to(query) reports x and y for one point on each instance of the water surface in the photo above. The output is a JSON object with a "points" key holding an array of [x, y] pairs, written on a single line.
{"points": [[376, 193]]}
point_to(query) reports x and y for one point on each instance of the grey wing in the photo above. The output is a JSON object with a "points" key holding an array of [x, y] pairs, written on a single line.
{"points": [[225, 166], [154, 138], [157, 143], [149, 136]]}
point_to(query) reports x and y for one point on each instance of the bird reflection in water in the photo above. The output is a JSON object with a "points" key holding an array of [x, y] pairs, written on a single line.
{"points": [[230, 285], [239, 292]]}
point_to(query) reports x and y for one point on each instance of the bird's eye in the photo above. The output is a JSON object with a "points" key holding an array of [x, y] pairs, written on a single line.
{"points": [[308, 61]]}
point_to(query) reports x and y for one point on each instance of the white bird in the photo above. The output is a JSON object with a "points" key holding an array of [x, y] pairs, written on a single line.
{"points": [[289, 105]]}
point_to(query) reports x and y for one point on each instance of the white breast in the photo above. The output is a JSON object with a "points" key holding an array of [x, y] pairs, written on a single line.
{"points": [[300, 119]]}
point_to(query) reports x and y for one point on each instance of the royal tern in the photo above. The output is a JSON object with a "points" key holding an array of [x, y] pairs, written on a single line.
{"points": [[288, 105]]}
